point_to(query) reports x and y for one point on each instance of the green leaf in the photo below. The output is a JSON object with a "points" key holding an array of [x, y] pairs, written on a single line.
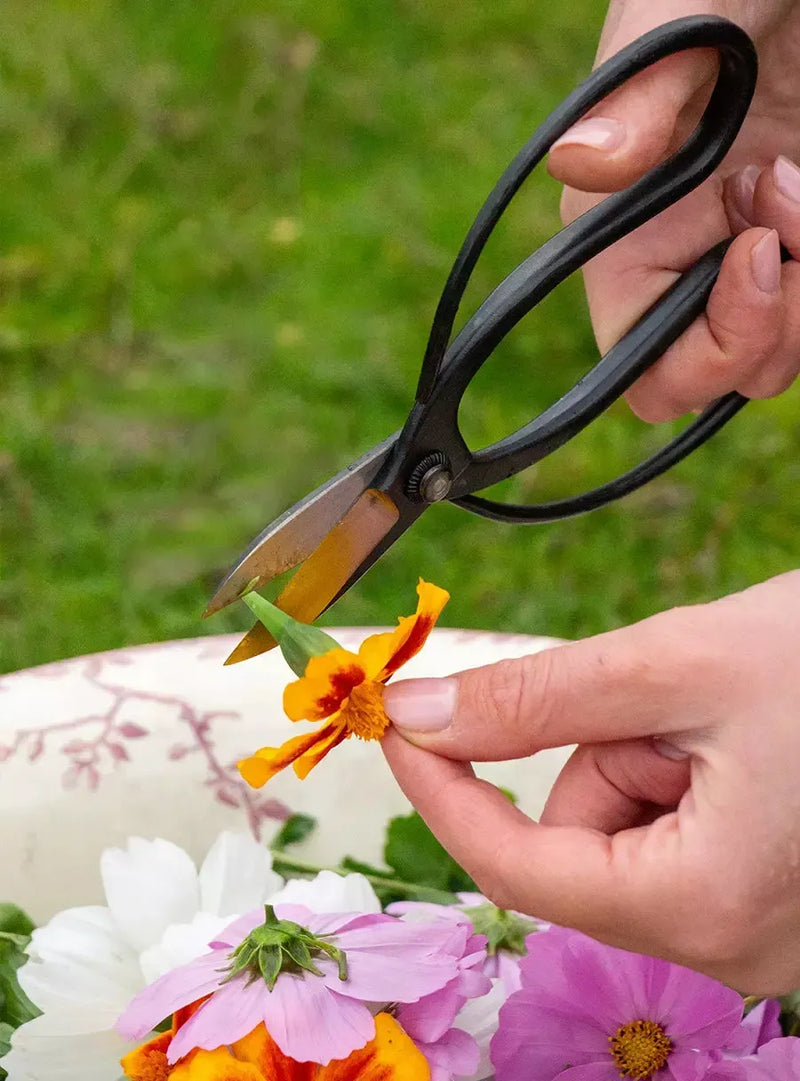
{"points": [[15, 1006], [416, 856], [5, 1045], [298, 642], [294, 830], [14, 920]]}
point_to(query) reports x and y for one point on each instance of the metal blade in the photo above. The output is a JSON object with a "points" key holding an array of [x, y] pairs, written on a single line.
{"points": [[293, 537], [324, 574]]}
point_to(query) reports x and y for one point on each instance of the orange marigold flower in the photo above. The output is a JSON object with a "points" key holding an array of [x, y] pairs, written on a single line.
{"points": [[390, 1056], [345, 690]]}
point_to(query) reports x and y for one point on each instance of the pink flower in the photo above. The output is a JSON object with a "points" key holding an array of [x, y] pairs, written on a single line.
{"points": [[760, 1026], [450, 1051], [589, 1012], [463, 1046], [778, 1060], [506, 931], [310, 991]]}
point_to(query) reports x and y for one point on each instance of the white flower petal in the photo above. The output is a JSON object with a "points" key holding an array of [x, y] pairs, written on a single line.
{"points": [[236, 875], [479, 1018], [180, 943], [329, 892], [70, 986], [90, 935], [78, 963], [149, 886], [92, 1057]]}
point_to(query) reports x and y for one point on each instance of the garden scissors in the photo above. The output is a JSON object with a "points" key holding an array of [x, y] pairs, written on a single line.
{"points": [[338, 531]]}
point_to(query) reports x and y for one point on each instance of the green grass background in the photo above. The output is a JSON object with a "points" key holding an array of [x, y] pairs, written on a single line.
{"points": [[223, 228]]}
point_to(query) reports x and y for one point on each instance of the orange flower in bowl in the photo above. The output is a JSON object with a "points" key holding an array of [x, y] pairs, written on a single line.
{"points": [[343, 689]]}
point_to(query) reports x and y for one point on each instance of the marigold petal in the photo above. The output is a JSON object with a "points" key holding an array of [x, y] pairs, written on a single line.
{"points": [[314, 755], [382, 654], [267, 761], [261, 1050], [219, 1065], [181, 1016], [328, 680], [148, 1062], [391, 1055]]}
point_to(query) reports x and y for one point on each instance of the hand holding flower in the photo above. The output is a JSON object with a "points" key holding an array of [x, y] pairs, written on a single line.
{"points": [[673, 829]]}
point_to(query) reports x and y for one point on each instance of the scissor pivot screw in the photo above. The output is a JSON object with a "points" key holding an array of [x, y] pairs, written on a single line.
{"points": [[431, 480]]}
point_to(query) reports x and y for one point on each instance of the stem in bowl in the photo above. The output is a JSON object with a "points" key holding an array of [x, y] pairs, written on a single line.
{"points": [[286, 865]]}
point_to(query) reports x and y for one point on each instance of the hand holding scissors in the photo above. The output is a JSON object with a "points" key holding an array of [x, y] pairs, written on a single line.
{"points": [[342, 528]]}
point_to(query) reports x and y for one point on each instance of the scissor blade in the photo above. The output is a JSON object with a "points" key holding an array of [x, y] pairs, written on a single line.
{"points": [[293, 537], [324, 574]]}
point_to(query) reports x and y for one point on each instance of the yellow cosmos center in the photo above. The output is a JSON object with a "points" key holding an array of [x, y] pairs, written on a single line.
{"points": [[363, 712], [640, 1049]]}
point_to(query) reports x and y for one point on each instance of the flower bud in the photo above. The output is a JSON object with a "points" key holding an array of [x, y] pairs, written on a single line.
{"points": [[298, 642]]}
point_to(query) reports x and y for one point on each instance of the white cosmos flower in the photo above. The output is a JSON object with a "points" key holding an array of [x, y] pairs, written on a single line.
{"points": [[87, 963], [329, 892], [479, 1017]]}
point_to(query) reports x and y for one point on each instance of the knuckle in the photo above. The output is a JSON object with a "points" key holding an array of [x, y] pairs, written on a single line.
{"points": [[769, 384], [734, 338], [504, 693], [520, 693]]}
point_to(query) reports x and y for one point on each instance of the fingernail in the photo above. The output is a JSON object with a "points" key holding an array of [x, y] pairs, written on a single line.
{"points": [[669, 750], [787, 178], [597, 132], [743, 188], [765, 263], [426, 705]]}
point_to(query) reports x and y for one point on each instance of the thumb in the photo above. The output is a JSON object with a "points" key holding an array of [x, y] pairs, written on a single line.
{"points": [[637, 125], [625, 684]]}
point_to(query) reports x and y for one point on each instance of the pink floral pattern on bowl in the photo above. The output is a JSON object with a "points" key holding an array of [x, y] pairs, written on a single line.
{"points": [[145, 741], [96, 743]]}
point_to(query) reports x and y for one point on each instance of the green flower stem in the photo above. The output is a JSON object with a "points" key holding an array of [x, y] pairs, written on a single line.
{"points": [[286, 865]]}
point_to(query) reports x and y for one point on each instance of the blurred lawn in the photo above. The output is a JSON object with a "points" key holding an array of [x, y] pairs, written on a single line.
{"points": [[223, 227]]}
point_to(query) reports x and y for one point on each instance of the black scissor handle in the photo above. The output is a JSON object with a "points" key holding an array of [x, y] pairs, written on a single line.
{"points": [[447, 371]]}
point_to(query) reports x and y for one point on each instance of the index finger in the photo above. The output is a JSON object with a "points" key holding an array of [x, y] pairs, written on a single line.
{"points": [[617, 889]]}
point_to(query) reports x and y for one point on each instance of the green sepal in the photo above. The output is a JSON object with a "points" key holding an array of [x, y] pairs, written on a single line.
{"points": [[298, 642], [281, 946], [269, 964], [504, 930], [299, 952]]}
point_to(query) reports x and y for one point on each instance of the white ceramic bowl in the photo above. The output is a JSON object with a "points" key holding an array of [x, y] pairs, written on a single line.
{"points": [[144, 741]]}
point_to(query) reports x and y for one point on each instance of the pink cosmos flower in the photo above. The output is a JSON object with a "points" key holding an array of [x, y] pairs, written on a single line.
{"points": [[450, 1051], [761, 1025], [313, 1014], [451, 1055], [589, 1012], [778, 1060], [502, 960]]}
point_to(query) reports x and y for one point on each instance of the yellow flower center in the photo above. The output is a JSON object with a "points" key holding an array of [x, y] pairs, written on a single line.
{"points": [[640, 1049], [363, 712], [152, 1066]]}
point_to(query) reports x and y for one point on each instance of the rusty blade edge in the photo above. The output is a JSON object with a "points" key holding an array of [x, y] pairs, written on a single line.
{"points": [[294, 536], [328, 568]]}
